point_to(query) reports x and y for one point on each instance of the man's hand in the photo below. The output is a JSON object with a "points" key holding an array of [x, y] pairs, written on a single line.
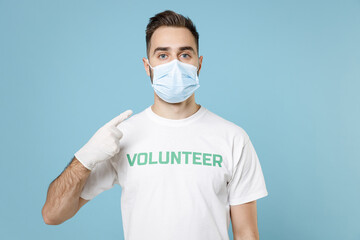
{"points": [[104, 144]]}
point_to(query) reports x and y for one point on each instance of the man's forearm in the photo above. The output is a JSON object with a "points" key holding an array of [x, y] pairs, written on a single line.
{"points": [[62, 201], [247, 237]]}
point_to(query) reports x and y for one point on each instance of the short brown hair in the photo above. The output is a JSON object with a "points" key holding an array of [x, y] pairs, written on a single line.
{"points": [[169, 18]]}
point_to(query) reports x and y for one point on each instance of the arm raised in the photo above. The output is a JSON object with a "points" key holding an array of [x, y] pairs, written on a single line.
{"points": [[63, 199]]}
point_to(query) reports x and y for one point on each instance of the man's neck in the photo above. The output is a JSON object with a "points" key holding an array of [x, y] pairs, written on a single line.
{"points": [[175, 110]]}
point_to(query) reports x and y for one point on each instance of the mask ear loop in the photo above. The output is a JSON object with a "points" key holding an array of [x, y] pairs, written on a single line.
{"points": [[197, 70], [150, 70], [149, 64]]}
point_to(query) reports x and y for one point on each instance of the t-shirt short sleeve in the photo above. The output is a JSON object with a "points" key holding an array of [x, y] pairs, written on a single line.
{"points": [[247, 183], [102, 177]]}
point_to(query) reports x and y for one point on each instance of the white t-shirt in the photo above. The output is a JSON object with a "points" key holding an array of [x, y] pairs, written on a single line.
{"points": [[178, 177]]}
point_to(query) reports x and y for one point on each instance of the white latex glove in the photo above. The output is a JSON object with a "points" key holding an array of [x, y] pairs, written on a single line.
{"points": [[104, 144]]}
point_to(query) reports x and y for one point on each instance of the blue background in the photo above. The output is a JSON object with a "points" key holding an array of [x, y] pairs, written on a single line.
{"points": [[288, 72]]}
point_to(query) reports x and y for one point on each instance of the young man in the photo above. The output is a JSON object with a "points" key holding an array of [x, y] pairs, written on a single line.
{"points": [[184, 171]]}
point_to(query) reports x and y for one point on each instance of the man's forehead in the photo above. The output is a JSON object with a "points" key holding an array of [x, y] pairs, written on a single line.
{"points": [[172, 38]]}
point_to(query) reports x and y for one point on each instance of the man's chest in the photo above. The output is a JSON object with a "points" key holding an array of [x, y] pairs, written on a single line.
{"points": [[183, 160]]}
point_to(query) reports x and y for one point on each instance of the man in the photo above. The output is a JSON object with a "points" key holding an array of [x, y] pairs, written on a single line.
{"points": [[184, 171]]}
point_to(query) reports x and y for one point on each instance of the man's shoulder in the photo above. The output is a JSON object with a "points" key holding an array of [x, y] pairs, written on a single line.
{"points": [[135, 120], [222, 124]]}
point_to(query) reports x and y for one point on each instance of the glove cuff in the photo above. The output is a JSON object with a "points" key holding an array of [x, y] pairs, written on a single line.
{"points": [[82, 157]]}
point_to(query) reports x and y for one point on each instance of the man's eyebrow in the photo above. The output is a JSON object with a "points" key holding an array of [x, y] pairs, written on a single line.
{"points": [[161, 49], [187, 48], [180, 48]]}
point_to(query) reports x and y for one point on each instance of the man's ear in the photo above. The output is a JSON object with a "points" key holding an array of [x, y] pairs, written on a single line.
{"points": [[200, 64], [146, 66]]}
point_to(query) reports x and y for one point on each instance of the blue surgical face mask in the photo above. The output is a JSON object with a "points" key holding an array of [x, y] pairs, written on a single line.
{"points": [[175, 81]]}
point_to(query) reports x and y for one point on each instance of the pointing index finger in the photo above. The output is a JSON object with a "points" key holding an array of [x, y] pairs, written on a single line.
{"points": [[117, 120]]}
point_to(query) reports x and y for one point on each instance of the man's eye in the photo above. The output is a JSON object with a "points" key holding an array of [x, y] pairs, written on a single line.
{"points": [[160, 56], [185, 54]]}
